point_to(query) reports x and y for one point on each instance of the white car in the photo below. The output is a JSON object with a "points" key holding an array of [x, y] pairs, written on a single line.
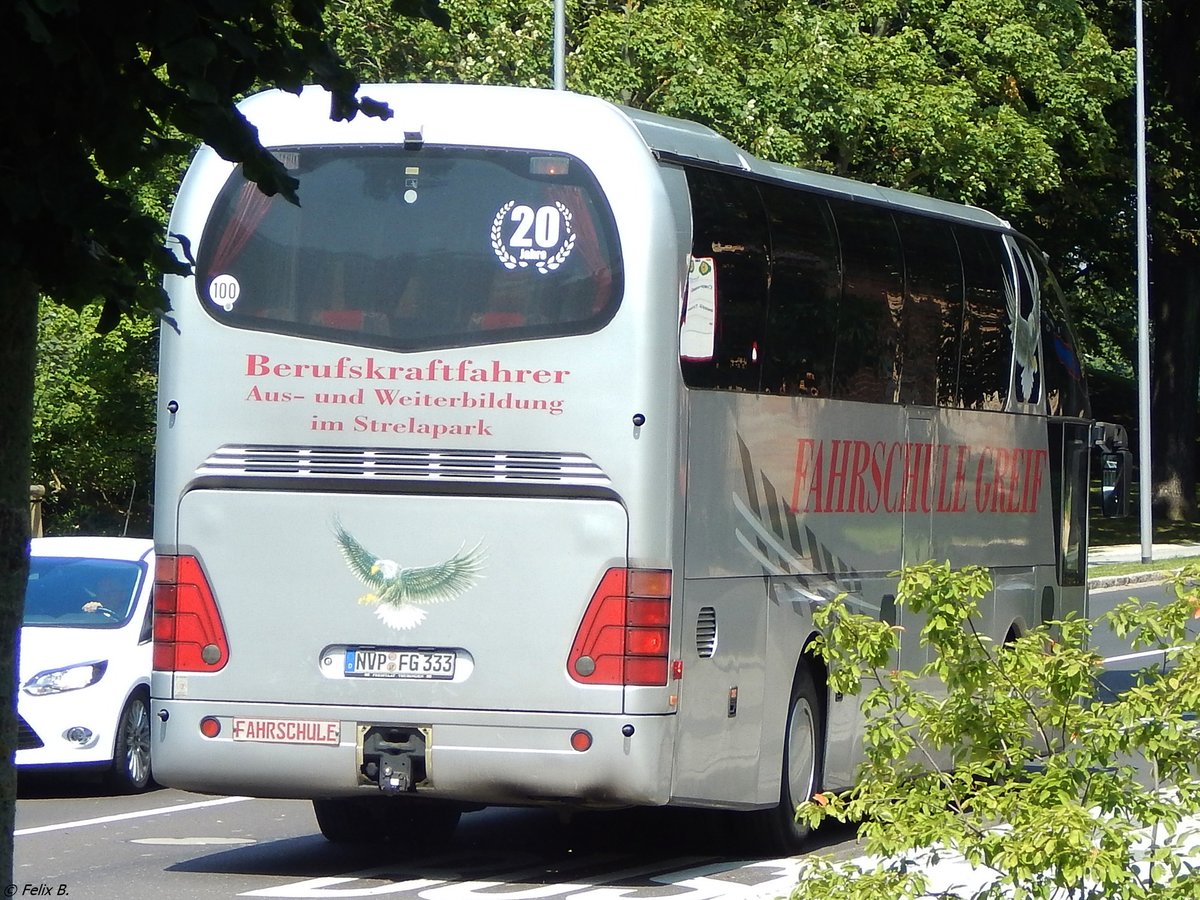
{"points": [[85, 658]]}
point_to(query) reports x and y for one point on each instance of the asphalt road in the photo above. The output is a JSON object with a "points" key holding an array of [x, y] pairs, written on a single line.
{"points": [[1122, 662], [73, 840]]}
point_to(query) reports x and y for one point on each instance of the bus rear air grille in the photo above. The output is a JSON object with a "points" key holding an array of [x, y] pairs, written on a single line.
{"points": [[706, 632], [249, 461]]}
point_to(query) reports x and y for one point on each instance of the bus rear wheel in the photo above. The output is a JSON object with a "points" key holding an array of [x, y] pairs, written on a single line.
{"points": [[776, 830], [378, 819]]}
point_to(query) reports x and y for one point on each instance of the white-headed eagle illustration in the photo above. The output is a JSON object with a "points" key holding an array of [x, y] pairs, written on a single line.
{"points": [[1026, 332], [398, 593]]}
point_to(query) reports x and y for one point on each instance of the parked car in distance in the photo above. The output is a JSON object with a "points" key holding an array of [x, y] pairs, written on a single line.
{"points": [[85, 658]]}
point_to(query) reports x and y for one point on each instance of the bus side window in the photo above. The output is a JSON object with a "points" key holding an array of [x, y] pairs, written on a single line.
{"points": [[986, 352], [730, 228], [806, 282], [866, 362], [931, 326], [1062, 368], [1069, 454]]}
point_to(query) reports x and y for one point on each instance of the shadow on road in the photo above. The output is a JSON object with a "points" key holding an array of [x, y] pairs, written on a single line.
{"points": [[60, 784], [582, 846]]}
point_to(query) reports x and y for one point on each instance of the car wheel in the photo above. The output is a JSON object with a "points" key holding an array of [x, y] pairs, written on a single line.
{"points": [[130, 773], [376, 819]]}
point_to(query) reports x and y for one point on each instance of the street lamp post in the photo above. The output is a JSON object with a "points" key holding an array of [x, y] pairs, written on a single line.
{"points": [[1143, 305], [560, 45]]}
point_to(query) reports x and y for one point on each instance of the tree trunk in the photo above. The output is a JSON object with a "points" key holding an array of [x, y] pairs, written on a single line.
{"points": [[1174, 30], [18, 350], [1176, 377]]}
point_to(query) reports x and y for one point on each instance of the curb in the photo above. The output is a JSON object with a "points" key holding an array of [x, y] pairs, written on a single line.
{"points": [[1110, 581]]}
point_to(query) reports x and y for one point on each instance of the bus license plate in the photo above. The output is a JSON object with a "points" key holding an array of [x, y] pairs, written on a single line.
{"points": [[372, 662]]}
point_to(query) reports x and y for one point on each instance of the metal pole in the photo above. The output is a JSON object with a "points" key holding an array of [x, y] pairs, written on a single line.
{"points": [[1143, 307], [560, 45]]}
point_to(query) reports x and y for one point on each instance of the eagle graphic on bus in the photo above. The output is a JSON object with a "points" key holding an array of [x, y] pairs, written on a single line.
{"points": [[397, 592]]}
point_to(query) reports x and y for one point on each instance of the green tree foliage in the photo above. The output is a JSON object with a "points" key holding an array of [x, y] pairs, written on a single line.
{"points": [[1016, 757], [1102, 218], [98, 97], [502, 42], [980, 101], [93, 421], [93, 431], [974, 100]]}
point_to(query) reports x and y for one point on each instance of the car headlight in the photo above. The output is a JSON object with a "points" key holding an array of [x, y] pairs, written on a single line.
{"points": [[68, 678]]}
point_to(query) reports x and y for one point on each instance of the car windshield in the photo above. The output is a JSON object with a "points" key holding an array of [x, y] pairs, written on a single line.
{"points": [[81, 593]]}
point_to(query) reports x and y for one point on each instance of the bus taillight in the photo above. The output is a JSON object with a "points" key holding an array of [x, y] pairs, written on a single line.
{"points": [[188, 633], [623, 638]]}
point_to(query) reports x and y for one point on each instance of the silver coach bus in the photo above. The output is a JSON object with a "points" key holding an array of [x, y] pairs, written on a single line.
{"points": [[508, 467]]}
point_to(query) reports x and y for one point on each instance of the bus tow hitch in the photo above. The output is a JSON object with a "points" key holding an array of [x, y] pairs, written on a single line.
{"points": [[394, 758], [395, 774]]}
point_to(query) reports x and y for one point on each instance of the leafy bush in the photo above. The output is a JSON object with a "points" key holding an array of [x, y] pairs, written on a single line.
{"points": [[1016, 757], [93, 424]]}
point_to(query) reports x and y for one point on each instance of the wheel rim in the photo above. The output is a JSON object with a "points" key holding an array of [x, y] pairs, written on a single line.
{"points": [[801, 751], [136, 733]]}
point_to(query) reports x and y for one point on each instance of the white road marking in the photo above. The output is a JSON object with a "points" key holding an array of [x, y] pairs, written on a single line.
{"points": [[193, 841], [140, 814], [1144, 654], [703, 881]]}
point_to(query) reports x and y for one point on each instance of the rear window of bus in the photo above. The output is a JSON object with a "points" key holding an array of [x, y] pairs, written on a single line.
{"points": [[412, 250]]}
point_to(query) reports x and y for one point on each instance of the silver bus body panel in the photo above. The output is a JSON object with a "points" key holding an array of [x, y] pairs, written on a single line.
{"points": [[474, 756], [311, 594], [827, 481], [792, 501]]}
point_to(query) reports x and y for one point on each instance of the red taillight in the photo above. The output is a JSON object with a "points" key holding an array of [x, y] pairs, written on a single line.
{"points": [[188, 633], [623, 638]]}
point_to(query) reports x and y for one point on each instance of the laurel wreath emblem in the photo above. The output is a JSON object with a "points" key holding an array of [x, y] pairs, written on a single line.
{"points": [[501, 251], [549, 265], [544, 266]]}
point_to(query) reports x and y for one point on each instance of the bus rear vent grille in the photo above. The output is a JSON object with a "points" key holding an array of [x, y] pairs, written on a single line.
{"points": [[387, 465], [706, 632]]}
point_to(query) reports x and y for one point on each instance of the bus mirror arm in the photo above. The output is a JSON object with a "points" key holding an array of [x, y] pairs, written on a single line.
{"points": [[1108, 436], [1116, 467]]}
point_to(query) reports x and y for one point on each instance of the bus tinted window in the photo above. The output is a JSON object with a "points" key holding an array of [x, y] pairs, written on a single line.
{"points": [[1066, 394], [730, 231], [931, 325], [805, 287], [825, 297], [986, 356], [865, 364], [413, 250]]}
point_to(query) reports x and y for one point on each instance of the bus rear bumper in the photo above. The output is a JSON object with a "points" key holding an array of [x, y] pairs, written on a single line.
{"points": [[500, 758]]}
